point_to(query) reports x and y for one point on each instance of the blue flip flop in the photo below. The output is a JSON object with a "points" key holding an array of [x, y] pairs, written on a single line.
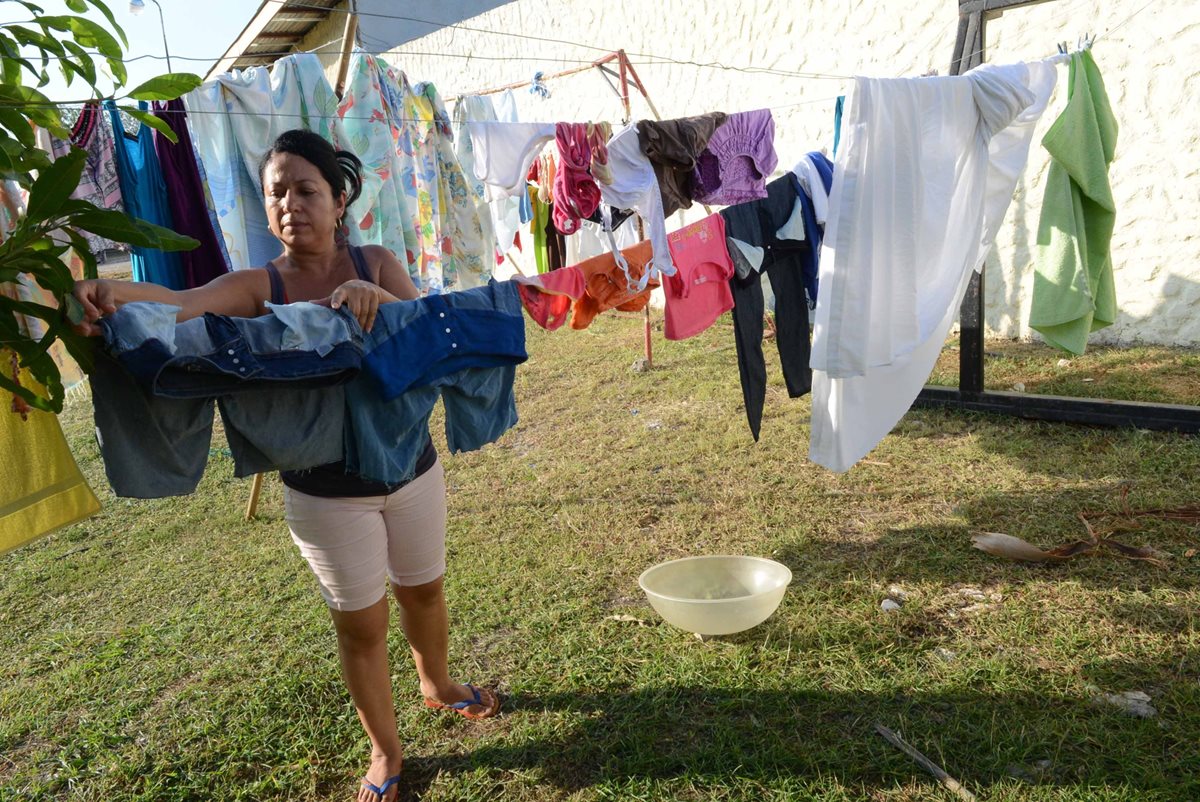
{"points": [[461, 707], [381, 789]]}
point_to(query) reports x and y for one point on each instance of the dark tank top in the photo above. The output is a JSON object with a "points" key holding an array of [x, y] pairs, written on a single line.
{"points": [[333, 480]]}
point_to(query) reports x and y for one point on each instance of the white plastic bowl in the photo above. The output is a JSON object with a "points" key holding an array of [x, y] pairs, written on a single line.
{"points": [[716, 595]]}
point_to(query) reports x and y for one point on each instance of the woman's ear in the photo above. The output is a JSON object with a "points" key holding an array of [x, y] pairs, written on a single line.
{"points": [[340, 204]]}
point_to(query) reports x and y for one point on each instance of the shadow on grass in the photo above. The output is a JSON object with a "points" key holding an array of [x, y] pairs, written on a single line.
{"points": [[704, 737], [943, 553]]}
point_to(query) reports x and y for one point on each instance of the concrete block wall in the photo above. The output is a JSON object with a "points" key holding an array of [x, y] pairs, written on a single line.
{"points": [[795, 58]]}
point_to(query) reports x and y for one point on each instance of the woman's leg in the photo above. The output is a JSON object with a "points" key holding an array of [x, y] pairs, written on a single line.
{"points": [[415, 517], [426, 624], [362, 647], [344, 541]]}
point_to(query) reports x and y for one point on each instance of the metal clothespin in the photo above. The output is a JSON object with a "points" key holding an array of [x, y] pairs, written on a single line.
{"points": [[1062, 48]]}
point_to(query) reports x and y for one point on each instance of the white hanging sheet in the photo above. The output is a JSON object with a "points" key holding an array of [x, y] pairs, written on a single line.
{"points": [[925, 174]]}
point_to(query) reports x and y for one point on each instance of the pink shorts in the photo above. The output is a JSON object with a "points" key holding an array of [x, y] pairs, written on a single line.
{"points": [[352, 544]]}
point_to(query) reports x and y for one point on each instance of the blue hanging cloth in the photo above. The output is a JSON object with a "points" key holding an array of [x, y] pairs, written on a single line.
{"points": [[837, 122], [145, 196]]}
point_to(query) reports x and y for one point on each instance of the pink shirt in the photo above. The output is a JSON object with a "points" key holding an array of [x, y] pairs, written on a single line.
{"points": [[699, 291]]}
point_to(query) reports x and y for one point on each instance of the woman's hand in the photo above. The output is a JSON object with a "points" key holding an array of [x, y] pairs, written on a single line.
{"points": [[362, 298], [97, 299]]}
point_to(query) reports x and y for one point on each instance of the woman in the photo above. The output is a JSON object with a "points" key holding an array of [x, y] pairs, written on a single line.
{"points": [[349, 529]]}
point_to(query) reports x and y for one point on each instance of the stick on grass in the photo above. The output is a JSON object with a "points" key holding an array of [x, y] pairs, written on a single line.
{"points": [[927, 764]]}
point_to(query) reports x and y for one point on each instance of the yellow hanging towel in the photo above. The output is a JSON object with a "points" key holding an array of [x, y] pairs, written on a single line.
{"points": [[41, 488]]}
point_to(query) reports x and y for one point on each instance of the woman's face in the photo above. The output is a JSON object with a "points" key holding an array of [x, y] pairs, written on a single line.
{"points": [[301, 209]]}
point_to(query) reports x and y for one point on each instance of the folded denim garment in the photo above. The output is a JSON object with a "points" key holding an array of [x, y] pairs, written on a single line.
{"points": [[463, 348]]}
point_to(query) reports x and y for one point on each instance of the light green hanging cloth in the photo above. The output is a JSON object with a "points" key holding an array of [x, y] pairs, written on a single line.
{"points": [[1073, 292]]}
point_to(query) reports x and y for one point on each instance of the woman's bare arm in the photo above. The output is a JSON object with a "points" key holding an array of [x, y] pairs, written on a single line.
{"points": [[393, 276], [238, 294]]}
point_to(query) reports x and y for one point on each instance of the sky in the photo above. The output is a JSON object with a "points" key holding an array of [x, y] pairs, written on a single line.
{"points": [[196, 29]]}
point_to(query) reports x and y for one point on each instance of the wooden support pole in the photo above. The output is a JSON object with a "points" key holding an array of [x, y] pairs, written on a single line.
{"points": [[255, 489], [343, 65]]}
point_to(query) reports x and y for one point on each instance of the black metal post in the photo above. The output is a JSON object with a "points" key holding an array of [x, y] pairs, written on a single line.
{"points": [[969, 48]]}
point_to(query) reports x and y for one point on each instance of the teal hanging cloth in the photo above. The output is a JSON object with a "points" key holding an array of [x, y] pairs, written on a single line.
{"points": [[837, 122], [1073, 289], [145, 196]]}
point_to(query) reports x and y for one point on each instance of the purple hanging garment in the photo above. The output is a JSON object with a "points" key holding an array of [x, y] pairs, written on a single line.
{"points": [[185, 193], [740, 155]]}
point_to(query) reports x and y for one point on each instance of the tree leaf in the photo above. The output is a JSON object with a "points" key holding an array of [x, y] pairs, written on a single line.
{"points": [[47, 270], [78, 6], [55, 185], [83, 250], [120, 227], [12, 52], [84, 65], [99, 4], [86, 33], [117, 68], [78, 346], [167, 87], [19, 127], [30, 397], [32, 8], [151, 120], [36, 106], [36, 159], [38, 39]]}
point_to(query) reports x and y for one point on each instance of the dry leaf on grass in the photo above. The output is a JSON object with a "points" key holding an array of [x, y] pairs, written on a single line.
{"points": [[1002, 545], [626, 619]]}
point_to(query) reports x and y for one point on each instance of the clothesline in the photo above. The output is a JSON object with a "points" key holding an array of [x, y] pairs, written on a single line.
{"points": [[658, 61], [79, 104]]}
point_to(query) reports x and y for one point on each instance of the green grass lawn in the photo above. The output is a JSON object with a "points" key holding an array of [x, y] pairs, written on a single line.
{"points": [[170, 650]]}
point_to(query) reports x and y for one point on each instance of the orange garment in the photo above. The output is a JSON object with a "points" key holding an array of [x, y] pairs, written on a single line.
{"points": [[607, 288]]}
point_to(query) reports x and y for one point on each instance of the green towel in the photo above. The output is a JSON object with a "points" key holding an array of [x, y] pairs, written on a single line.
{"points": [[1073, 292]]}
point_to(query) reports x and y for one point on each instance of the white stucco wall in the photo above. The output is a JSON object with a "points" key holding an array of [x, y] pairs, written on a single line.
{"points": [[1151, 63]]}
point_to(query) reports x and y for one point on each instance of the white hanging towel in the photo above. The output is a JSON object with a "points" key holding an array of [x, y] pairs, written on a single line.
{"points": [[927, 169], [504, 153], [504, 213]]}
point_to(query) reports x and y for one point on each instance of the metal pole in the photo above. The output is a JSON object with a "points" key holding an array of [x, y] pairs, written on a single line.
{"points": [[625, 70], [969, 53], [162, 24]]}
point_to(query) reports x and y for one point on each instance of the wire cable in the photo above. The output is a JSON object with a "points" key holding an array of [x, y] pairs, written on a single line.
{"points": [[73, 104]]}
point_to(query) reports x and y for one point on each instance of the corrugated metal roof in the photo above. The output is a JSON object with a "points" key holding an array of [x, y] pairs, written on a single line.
{"points": [[273, 32]]}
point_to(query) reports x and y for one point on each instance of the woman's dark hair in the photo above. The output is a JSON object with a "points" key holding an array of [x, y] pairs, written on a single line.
{"points": [[341, 168]]}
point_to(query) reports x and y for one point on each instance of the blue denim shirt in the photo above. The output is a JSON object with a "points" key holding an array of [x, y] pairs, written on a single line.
{"points": [[462, 347], [155, 432], [155, 383], [415, 343], [300, 345]]}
